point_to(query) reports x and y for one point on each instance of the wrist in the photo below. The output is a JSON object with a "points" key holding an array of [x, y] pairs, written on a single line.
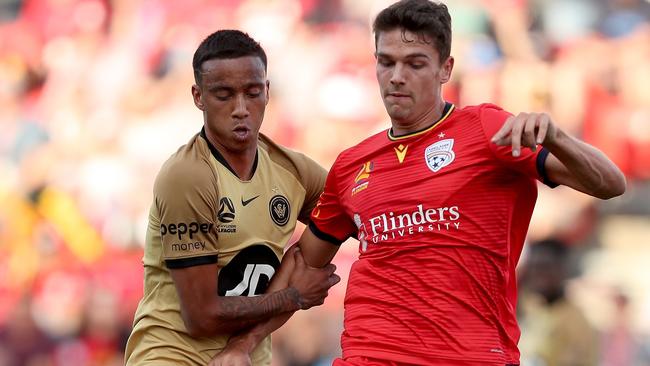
{"points": [[555, 141], [245, 343], [295, 297]]}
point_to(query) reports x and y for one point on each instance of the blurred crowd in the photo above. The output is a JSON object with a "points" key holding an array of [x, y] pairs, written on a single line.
{"points": [[95, 95]]}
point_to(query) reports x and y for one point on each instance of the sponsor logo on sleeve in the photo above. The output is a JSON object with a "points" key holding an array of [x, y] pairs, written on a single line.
{"points": [[186, 234]]}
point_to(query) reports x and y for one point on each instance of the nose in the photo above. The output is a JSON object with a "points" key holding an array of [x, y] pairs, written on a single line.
{"points": [[397, 77], [240, 111]]}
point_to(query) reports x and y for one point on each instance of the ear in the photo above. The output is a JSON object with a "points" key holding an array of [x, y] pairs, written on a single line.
{"points": [[446, 69], [268, 88], [196, 95]]}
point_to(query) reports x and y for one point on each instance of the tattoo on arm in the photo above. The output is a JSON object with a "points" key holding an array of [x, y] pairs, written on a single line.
{"points": [[242, 312]]}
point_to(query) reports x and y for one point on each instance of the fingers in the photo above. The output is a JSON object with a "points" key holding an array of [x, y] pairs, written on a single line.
{"points": [[330, 268], [524, 130], [297, 255], [504, 132], [515, 135], [544, 123], [334, 279], [529, 132]]}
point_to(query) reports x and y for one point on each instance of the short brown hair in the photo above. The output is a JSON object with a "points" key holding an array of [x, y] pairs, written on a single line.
{"points": [[421, 17]]}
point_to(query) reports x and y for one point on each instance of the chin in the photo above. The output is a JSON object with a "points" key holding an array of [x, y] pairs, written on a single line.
{"points": [[397, 113]]}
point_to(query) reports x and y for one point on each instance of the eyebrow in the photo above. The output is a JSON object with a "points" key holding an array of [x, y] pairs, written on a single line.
{"points": [[411, 55], [219, 86]]}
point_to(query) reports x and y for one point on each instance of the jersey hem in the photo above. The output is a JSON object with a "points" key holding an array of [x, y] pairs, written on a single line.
{"points": [[325, 236], [417, 359], [191, 262]]}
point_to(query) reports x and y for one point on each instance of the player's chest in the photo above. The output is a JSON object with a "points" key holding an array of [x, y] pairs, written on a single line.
{"points": [[416, 171], [265, 208]]}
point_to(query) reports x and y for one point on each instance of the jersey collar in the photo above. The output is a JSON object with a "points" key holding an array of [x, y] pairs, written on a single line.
{"points": [[446, 111], [217, 155]]}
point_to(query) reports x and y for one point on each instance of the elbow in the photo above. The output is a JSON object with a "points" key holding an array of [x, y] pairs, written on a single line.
{"points": [[196, 330], [614, 188], [203, 324], [195, 327]]}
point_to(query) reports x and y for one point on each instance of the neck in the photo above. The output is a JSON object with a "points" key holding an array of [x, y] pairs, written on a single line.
{"points": [[432, 115], [240, 161]]}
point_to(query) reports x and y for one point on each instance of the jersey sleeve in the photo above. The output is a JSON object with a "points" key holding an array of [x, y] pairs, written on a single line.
{"points": [[329, 221], [530, 163], [312, 178], [186, 197]]}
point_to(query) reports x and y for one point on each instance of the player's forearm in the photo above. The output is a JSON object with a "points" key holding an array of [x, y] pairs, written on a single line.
{"points": [[248, 340], [598, 175], [231, 314]]}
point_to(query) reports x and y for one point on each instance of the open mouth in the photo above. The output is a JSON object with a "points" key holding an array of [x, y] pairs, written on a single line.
{"points": [[241, 131]]}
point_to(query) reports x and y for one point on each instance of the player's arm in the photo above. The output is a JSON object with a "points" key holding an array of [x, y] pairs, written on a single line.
{"points": [[241, 346], [205, 313], [311, 251], [317, 248], [571, 162]]}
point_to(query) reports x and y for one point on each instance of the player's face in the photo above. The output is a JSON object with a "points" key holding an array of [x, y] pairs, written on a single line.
{"points": [[233, 94], [410, 77]]}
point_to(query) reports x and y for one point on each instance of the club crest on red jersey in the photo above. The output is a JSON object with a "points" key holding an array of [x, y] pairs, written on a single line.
{"points": [[439, 155]]}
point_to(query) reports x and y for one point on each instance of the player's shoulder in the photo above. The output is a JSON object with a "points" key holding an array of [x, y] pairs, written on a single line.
{"points": [[477, 110], [188, 166], [485, 112], [297, 163]]}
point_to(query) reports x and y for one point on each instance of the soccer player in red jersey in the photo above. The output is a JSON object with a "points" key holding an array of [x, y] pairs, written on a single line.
{"points": [[440, 204]]}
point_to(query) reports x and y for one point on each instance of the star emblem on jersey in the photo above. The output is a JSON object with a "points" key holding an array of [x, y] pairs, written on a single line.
{"points": [[441, 135], [439, 155], [279, 209], [401, 152], [246, 202]]}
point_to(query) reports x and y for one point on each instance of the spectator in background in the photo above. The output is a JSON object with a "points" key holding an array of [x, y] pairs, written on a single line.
{"points": [[556, 332]]}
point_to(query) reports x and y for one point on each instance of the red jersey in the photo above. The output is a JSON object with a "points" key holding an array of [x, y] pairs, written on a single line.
{"points": [[441, 216]]}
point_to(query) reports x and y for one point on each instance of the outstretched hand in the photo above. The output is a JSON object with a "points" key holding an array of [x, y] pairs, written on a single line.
{"points": [[526, 129]]}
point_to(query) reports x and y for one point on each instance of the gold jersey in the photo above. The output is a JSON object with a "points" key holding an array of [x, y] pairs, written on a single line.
{"points": [[203, 213]]}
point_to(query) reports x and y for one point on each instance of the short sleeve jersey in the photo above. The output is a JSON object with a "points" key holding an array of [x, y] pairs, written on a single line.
{"points": [[441, 216], [203, 213]]}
